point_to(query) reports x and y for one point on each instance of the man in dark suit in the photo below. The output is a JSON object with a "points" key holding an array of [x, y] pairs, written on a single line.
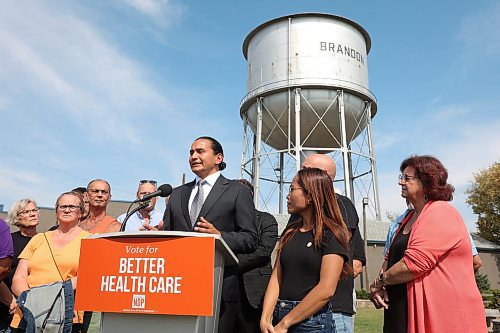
{"points": [[213, 204], [254, 272]]}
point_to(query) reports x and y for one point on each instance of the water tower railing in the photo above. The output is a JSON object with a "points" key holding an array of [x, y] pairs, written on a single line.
{"points": [[334, 84]]}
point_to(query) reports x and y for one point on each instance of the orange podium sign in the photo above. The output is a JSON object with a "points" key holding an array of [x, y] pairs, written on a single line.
{"points": [[172, 276]]}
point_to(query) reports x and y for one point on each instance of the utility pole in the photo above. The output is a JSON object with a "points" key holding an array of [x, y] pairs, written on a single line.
{"points": [[365, 240]]}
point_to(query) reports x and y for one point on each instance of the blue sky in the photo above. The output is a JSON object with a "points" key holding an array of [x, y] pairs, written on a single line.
{"points": [[119, 89]]}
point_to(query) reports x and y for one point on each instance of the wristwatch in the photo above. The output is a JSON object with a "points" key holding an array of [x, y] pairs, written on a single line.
{"points": [[382, 279]]}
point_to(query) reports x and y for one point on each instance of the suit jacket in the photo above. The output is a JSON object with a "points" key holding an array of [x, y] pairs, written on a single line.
{"points": [[229, 207], [255, 267]]}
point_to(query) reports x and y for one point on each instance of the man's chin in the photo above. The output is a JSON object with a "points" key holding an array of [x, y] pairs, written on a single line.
{"points": [[196, 169]]}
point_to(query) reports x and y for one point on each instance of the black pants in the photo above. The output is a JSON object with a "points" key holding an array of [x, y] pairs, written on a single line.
{"points": [[87, 317], [227, 317], [247, 317]]}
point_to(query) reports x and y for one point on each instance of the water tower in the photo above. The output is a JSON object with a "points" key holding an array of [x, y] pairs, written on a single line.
{"points": [[308, 93]]}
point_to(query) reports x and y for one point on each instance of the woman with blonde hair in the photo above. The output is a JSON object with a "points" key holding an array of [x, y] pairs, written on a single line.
{"points": [[312, 257], [53, 256], [24, 215]]}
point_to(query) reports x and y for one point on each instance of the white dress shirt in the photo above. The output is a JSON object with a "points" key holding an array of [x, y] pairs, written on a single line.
{"points": [[207, 187]]}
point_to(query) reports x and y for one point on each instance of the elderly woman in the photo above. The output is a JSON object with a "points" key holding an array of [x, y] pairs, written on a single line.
{"points": [[312, 256], [24, 215], [428, 280], [53, 256]]}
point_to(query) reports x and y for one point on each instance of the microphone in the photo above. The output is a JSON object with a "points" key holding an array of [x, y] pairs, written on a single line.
{"points": [[163, 191]]}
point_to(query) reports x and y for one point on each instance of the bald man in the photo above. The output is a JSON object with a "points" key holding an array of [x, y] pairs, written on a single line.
{"points": [[342, 301]]}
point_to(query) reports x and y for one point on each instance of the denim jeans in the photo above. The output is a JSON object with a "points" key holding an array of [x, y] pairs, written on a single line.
{"points": [[320, 322], [49, 306], [343, 322]]}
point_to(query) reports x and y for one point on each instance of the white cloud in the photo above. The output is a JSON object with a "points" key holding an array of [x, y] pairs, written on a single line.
{"points": [[60, 57], [465, 148], [475, 146], [25, 58], [77, 105], [479, 31], [449, 112], [161, 12], [386, 140], [16, 182]]}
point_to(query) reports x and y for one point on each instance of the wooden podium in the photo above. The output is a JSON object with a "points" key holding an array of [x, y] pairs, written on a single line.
{"points": [[159, 281]]}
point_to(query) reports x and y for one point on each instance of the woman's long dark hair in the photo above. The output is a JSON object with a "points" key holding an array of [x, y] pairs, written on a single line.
{"points": [[319, 186]]}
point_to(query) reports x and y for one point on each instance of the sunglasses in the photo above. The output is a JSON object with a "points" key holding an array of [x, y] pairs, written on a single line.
{"points": [[144, 181]]}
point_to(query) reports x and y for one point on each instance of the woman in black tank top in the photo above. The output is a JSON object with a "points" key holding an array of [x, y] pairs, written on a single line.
{"points": [[312, 256], [396, 316]]}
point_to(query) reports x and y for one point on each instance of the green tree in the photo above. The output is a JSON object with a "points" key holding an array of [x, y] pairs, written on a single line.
{"points": [[482, 281], [484, 197]]}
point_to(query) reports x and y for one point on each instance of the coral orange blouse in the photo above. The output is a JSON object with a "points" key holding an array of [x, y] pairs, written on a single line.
{"points": [[443, 297]]}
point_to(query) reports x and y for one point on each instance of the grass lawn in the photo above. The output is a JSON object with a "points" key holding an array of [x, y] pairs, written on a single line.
{"points": [[368, 320]]}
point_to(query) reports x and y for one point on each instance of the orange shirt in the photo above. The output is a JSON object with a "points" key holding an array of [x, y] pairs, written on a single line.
{"points": [[443, 297], [43, 270], [103, 225]]}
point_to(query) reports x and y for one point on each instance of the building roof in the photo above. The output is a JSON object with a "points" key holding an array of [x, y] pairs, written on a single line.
{"points": [[377, 233], [376, 230]]}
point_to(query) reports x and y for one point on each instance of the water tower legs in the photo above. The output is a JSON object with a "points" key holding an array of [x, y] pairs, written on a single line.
{"points": [[272, 168], [345, 146], [373, 161]]}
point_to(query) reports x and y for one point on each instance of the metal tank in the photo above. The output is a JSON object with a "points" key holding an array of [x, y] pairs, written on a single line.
{"points": [[320, 53], [308, 93]]}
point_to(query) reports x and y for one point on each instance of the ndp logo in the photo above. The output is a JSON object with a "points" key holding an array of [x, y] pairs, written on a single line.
{"points": [[138, 301]]}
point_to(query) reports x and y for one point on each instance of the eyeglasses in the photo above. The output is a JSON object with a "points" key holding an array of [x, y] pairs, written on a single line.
{"points": [[291, 189], [28, 212], [405, 178], [71, 208], [144, 181], [96, 191]]}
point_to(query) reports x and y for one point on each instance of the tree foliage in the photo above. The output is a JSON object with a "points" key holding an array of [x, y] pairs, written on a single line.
{"points": [[484, 197], [494, 301], [482, 282]]}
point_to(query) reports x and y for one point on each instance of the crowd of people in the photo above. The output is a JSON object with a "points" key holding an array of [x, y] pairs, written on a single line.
{"points": [[426, 282]]}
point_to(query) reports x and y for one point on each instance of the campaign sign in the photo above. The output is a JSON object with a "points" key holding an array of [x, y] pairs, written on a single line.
{"points": [[147, 275]]}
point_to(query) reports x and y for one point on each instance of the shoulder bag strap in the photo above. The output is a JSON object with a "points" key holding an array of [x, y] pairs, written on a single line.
{"points": [[52, 254]]}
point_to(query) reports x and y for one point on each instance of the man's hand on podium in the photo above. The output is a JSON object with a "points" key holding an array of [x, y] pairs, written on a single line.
{"points": [[206, 227]]}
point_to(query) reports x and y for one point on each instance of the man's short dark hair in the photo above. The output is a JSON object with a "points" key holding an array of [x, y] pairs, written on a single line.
{"points": [[80, 190], [216, 147]]}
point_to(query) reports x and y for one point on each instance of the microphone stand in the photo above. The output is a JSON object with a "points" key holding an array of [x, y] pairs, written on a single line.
{"points": [[141, 206]]}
